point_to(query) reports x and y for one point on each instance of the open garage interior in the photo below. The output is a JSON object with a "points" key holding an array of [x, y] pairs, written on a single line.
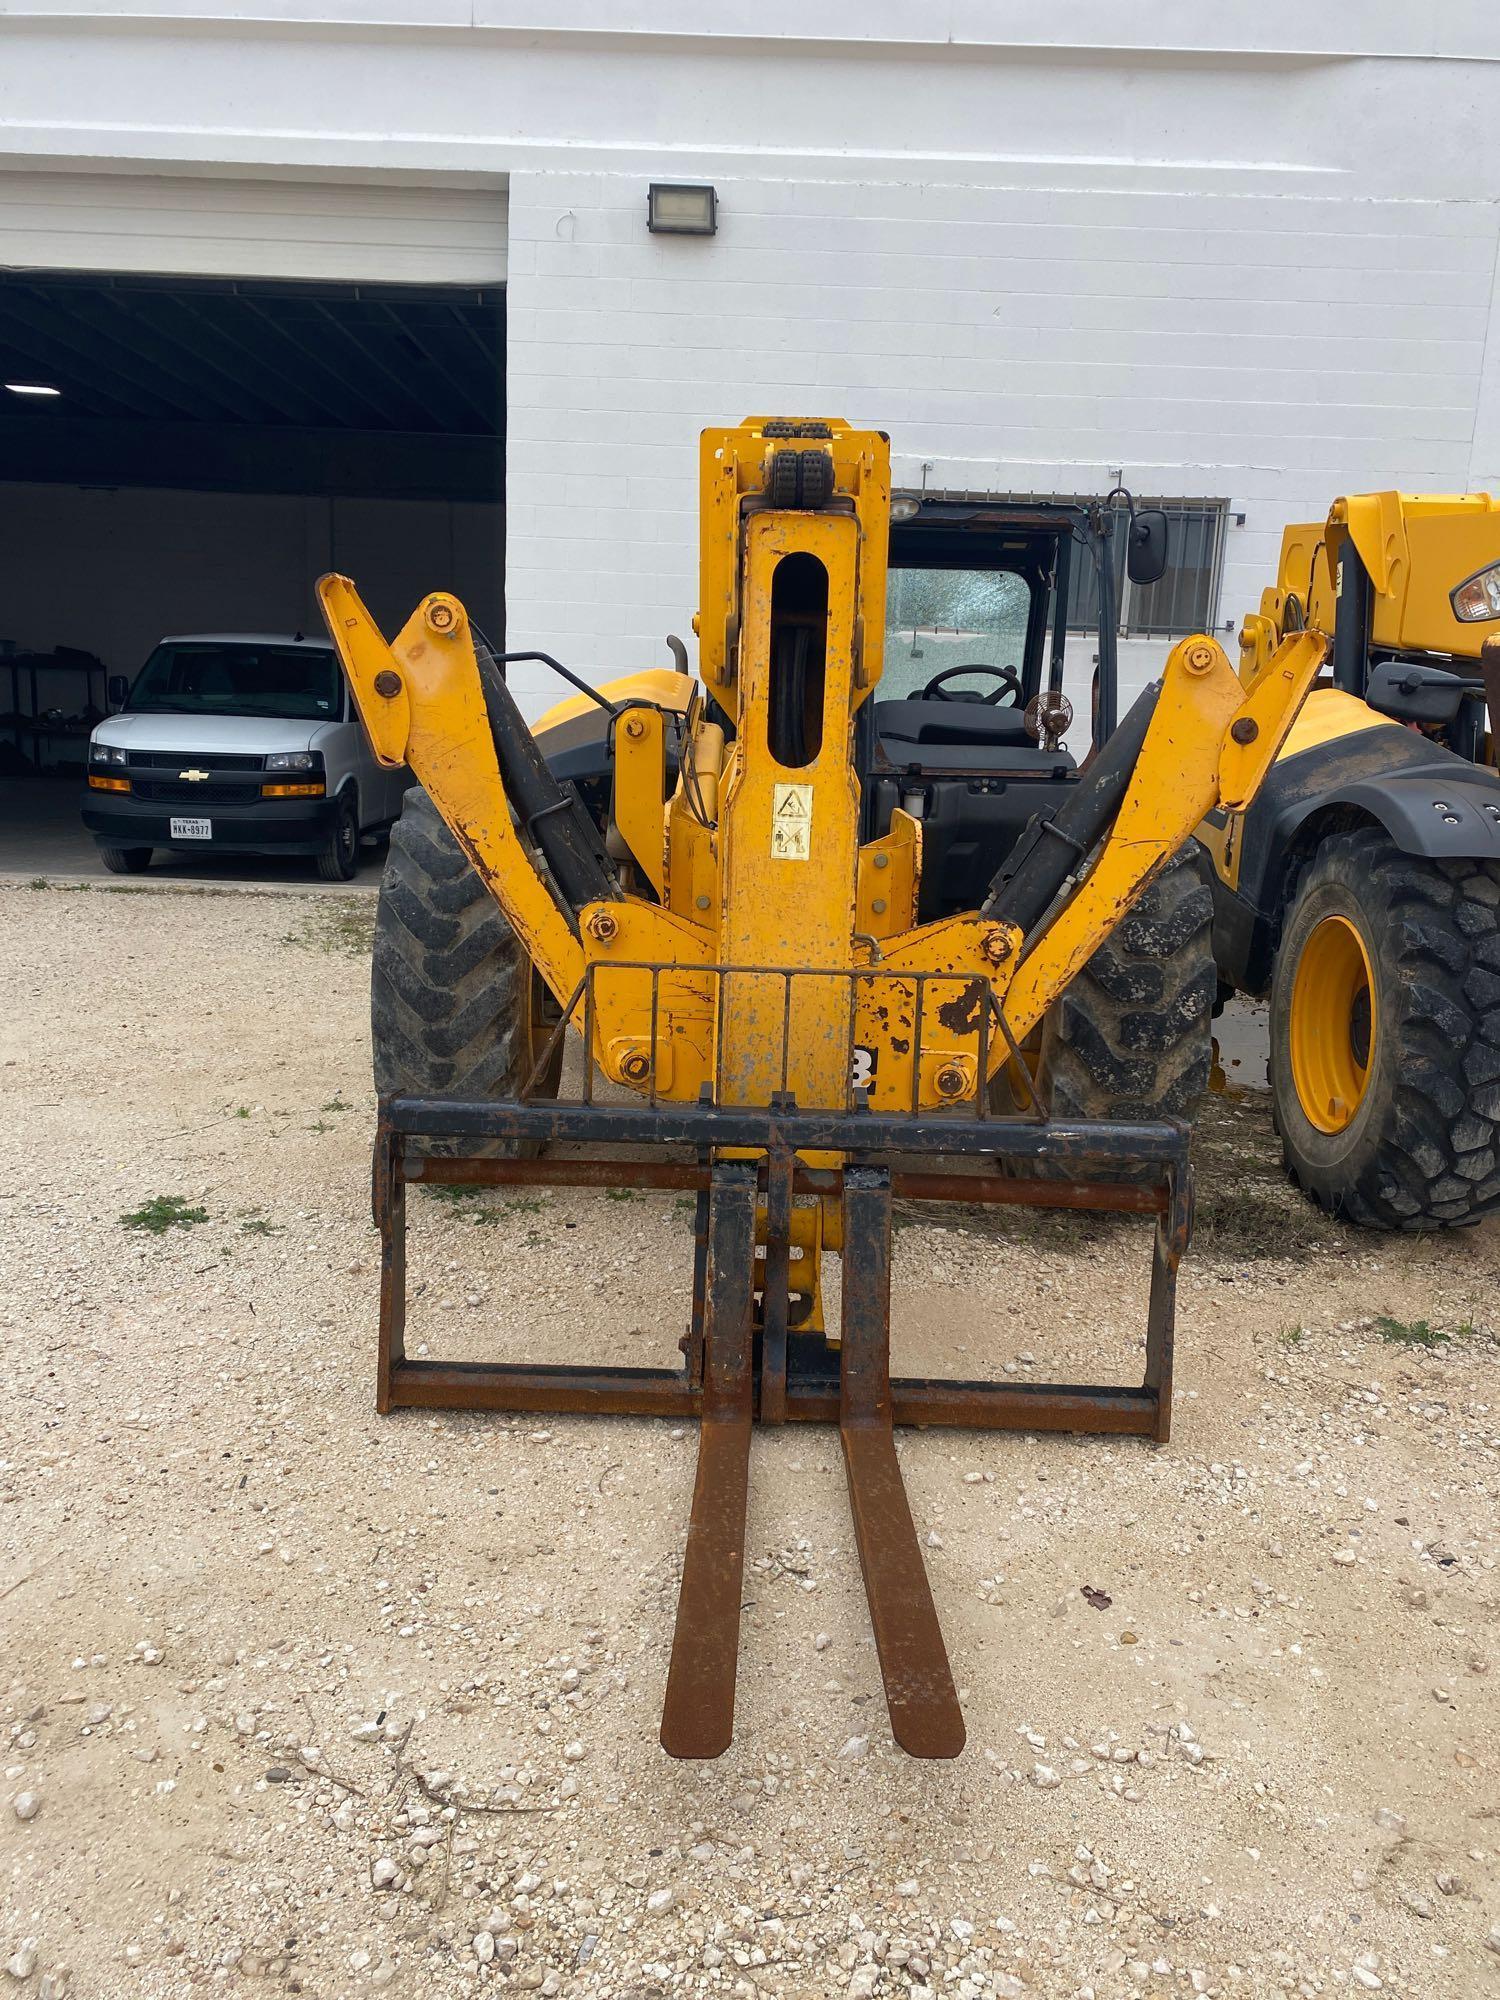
{"points": [[189, 454]]}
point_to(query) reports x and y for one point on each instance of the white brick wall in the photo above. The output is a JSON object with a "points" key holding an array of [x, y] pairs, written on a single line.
{"points": [[1269, 350], [1246, 250]]}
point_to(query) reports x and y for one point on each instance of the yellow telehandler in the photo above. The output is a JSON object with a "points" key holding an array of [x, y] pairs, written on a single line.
{"points": [[740, 918], [1360, 890]]}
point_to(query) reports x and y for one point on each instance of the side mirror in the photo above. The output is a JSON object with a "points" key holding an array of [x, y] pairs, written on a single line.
{"points": [[1410, 693], [117, 692], [1146, 554]]}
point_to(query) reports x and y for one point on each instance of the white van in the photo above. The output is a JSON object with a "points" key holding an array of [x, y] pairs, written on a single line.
{"points": [[238, 743]]}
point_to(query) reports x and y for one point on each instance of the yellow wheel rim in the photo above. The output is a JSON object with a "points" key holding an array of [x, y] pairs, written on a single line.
{"points": [[1333, 1024]]}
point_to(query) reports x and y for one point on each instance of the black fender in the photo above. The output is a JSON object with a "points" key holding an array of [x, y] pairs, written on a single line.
{"points": [[1429, 800]]}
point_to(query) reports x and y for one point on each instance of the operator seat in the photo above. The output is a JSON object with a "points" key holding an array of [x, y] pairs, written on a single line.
{"points": [[952, 721]]}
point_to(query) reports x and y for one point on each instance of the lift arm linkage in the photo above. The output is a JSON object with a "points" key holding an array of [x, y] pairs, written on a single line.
{"points": [[1210, 743], [421, 701]]}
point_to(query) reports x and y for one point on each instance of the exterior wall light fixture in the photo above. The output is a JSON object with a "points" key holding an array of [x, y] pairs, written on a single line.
{"points": [[676, 210]]}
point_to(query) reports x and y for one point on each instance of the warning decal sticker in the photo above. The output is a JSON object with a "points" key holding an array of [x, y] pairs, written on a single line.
{"points": [[791, 823]]}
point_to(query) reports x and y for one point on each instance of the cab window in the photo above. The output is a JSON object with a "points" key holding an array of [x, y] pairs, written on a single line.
{"points": [[941, 618]]}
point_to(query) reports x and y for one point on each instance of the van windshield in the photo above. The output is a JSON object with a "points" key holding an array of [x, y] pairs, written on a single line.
{"points": [[220, 677]]}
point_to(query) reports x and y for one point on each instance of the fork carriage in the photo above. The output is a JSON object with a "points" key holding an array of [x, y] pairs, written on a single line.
{"points": [[756, 1348]]}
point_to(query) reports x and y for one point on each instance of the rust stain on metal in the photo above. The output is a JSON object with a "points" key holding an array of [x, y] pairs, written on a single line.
{"points": [[962, 1014]]}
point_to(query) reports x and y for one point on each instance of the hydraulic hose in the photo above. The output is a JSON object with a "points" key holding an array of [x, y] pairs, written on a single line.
{"points": [[552, 815], [1050, 850]]}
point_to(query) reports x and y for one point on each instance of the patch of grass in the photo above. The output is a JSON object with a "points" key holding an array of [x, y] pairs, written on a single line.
{"points": [[39, 882], [1291, 1336], [525, 1204], [318, 1125], [1409, 1332], [163, 1212], [242, 1111], [257, 1225], [1247, 1209], [338, 924], [442, 1191], [619, 1194], [336, 1103]]}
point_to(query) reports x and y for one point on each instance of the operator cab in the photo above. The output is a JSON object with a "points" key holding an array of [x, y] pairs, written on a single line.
{"points": [[965, 731], [971, 632]]}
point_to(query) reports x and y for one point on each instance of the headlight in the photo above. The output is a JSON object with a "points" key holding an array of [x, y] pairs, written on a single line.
{"points": [[294, 760], [105, 753], [1479, 597]]}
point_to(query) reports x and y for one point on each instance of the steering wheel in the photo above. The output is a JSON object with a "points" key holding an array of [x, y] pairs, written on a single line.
{"points": [[1009, 679]]}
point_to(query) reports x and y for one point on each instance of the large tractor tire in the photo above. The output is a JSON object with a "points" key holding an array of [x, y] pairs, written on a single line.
{"points": [[1132, 1036], [1385, 1035], [456, 1006]]}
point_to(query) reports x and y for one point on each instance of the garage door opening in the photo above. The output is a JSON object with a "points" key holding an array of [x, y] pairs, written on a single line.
{"points": [[186, 456]]}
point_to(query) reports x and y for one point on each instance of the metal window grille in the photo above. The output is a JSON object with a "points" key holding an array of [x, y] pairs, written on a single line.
{"points": [[1187, 597]]}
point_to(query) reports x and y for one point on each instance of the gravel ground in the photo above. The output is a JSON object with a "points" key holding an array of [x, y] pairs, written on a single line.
{"points": [[300, 1699]]}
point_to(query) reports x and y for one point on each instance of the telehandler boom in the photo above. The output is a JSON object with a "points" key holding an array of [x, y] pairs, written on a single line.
{"points": [[765, 999]]}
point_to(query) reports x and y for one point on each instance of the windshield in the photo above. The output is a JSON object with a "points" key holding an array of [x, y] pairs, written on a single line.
{"points": [[238, 677], [941, 618]]}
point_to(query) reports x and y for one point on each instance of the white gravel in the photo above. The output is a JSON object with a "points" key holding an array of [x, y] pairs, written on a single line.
{"points": [[323, 1703]]}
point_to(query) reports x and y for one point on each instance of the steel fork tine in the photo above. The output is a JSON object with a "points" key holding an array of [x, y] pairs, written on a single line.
{"points": [[698, 1714], [926, 1719]]}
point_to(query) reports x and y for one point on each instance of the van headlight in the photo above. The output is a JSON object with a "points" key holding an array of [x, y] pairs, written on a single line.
{"points": [[294, 760], [1478, 597], [105, 753]]}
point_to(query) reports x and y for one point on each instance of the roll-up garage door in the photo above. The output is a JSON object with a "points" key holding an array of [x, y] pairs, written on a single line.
{"points": [[365, 232]]}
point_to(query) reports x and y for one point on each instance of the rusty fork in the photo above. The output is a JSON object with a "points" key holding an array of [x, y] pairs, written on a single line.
{"points": [[925, 1716], [698, 1715]]}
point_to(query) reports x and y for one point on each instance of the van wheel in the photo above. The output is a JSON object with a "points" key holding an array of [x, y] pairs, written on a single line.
{"points": [[126, 860], [457, 1009], [340, 857], [1385, 1035]]}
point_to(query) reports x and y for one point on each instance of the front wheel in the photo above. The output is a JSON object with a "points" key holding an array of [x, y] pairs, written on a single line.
{"points": [[457, 1007], [1385, 1035], [1131, 1037], [126, 860], [340, 857]]}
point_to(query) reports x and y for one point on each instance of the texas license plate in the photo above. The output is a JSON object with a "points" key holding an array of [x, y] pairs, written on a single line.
{"points": [[192, 829]]}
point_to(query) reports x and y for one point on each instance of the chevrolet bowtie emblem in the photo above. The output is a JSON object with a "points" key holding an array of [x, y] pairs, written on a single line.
{"points": [[193, 777]]}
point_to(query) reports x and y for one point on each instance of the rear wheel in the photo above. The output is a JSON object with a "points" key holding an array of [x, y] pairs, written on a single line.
{"points": [[1132, 1037], [1385, 1035], [456, 1007], [126, 860]]}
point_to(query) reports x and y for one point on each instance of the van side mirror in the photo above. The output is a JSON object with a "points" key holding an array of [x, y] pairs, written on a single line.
{"points": [[117, 692], [1146, 553]]}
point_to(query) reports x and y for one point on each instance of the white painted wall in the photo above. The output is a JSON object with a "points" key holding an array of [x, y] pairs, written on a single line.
{"points": [[1246, 251], [1234, 346]]}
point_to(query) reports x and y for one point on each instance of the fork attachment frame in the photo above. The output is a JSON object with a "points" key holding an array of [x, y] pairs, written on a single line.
{"points": [[743, 1364]]}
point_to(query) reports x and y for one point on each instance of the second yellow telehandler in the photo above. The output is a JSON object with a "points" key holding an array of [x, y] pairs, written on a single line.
{"points": [[1359, 893]]}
